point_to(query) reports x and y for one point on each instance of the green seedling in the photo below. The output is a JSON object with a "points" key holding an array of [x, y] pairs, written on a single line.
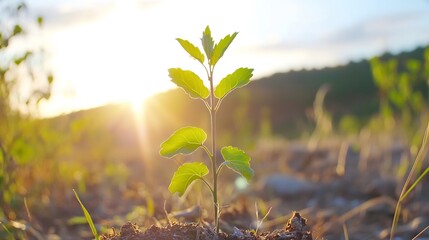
{"points": [[188, 139], [88, 217]]}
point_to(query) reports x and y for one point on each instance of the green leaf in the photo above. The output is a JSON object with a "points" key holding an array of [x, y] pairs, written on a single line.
{"points": [[40, 21], [185, 175], [17, 30], [237, 79], [208, 43], [221, 47], [238, 161], [88, 218], [194, 51], [190, 82], [23, 58], [50, 79], [77, 220], [183, 141]]}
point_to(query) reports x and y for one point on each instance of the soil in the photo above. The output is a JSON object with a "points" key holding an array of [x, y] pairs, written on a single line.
{"points": [[295, 229], [361, 200]]}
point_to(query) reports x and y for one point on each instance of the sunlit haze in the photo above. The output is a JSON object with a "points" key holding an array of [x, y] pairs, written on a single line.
{"points": [[104, 52]]}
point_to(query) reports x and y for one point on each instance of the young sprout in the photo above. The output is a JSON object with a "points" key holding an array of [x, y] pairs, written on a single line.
{"points": [[188, 139]]}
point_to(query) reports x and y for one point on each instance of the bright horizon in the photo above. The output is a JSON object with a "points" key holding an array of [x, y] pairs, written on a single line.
{"points": [[117, 51]]}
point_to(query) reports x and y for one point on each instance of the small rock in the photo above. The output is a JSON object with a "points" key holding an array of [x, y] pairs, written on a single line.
{"points": [[129, 229], [296, 223], [287, 186]]}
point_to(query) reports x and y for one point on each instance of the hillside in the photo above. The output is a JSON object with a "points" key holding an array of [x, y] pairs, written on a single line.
{"points": [[286, 99]]}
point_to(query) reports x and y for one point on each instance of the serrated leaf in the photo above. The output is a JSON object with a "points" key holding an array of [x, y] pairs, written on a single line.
{"points": [[208, 43], [194, 51], [185, 175], [238, 161], [220, 48], [190, 82], [183, 141], [237, 79]]}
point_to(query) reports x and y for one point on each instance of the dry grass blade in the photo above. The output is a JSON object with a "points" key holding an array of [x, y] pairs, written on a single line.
{"points": [[364, 206], [346, 233], [420, 233], [405, 190], [342, 157], [358, 210], [27, 210], [259, 222], [166, 213]]}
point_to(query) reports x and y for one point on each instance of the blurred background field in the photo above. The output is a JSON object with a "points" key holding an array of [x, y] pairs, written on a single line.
{"points": [[334, 140]]}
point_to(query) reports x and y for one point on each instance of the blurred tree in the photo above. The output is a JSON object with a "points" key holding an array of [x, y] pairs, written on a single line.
{"points": [[403, 94], [399, 83], [23, 83]]}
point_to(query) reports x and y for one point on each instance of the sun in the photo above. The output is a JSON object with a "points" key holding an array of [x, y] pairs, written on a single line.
{"points": [[111, 59]]}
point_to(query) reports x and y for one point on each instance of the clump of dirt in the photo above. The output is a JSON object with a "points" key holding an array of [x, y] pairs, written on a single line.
{"points": [[131, 231], [295, 229]]}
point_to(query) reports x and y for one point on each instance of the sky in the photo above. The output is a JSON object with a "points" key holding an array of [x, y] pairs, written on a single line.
{"points": [[109, 51]]}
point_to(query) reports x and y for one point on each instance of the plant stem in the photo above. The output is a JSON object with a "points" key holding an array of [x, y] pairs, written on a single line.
{"points": [[214, 162]]}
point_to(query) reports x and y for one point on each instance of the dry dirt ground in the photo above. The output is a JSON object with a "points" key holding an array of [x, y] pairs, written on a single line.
{"points": [[338, 187], [295, 229], [341, 190]]}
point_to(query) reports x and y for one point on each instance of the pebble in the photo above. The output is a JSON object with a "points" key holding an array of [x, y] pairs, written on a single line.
{"points": [[287, 186]]}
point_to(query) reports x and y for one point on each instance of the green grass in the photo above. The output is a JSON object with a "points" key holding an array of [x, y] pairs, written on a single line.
{"points": [[88, 218]]}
